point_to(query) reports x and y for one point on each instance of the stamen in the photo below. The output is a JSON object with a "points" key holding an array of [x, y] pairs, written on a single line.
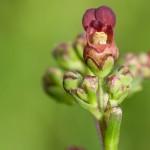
{"points": [[99, 38]]}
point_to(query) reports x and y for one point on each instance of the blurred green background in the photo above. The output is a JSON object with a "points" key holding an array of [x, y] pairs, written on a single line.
{"points": [[29, 119]]}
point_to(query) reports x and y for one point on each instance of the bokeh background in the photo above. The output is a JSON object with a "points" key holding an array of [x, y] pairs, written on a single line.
{"points": [[29, 119]]}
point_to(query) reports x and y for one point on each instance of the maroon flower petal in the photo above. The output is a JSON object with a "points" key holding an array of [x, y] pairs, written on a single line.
{"points": [[109, 31], [100, 48], [88, 17], [106, 14], [97, 24]]}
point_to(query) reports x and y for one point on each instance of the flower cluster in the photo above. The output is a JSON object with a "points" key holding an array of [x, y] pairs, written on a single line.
{"points": [[118, 85], [100, 49], [83, 90], [68, 56], [139, 65], [92, 80]]}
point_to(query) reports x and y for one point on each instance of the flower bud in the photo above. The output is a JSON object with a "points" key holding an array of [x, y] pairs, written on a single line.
{"points": [[115, 112], [83, 92], [113, 85], [125, 75], [145, 71], [71, 81], [117, 85], [101, 63], [131, 61], [114, 119], [67, 57], [100, 52], [52, 83], [90, 86], [143, 58], [90, 83], [79, 44], [53, 76]]}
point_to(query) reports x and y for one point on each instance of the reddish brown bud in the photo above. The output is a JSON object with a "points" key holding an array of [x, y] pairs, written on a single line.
{"points": [[99, 58]]}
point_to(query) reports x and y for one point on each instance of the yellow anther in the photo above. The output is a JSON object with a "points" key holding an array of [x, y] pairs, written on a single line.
{"points": [[99, 38]]}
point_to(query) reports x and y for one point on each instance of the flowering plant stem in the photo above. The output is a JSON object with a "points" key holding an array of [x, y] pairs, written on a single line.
{"points": [[109, 132], [101, 106], [101, 94]]}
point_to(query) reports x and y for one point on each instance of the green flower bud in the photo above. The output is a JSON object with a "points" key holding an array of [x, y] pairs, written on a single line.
{"points": [[53, 76], [79, 44], [113, 85], [52, 83], [90, 83], [125, 75], [113, 120], [67, 58], [118, 85], [90, 86], [71, 81], [82, 94]]}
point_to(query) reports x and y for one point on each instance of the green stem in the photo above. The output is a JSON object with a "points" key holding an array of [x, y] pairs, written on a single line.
{"points": [[102, 127], [101, 106], [101, 95], [113, 129], [97, 114]]}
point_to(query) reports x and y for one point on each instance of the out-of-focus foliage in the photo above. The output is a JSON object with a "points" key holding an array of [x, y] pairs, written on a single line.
{"points": [[29, 119]]}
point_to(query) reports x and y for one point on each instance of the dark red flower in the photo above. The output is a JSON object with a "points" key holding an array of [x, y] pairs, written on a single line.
{"points": [[98, 24], [100, 48]]}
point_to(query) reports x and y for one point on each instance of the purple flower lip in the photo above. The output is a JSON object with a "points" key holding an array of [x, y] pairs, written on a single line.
{"points": [[99, 17]]}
